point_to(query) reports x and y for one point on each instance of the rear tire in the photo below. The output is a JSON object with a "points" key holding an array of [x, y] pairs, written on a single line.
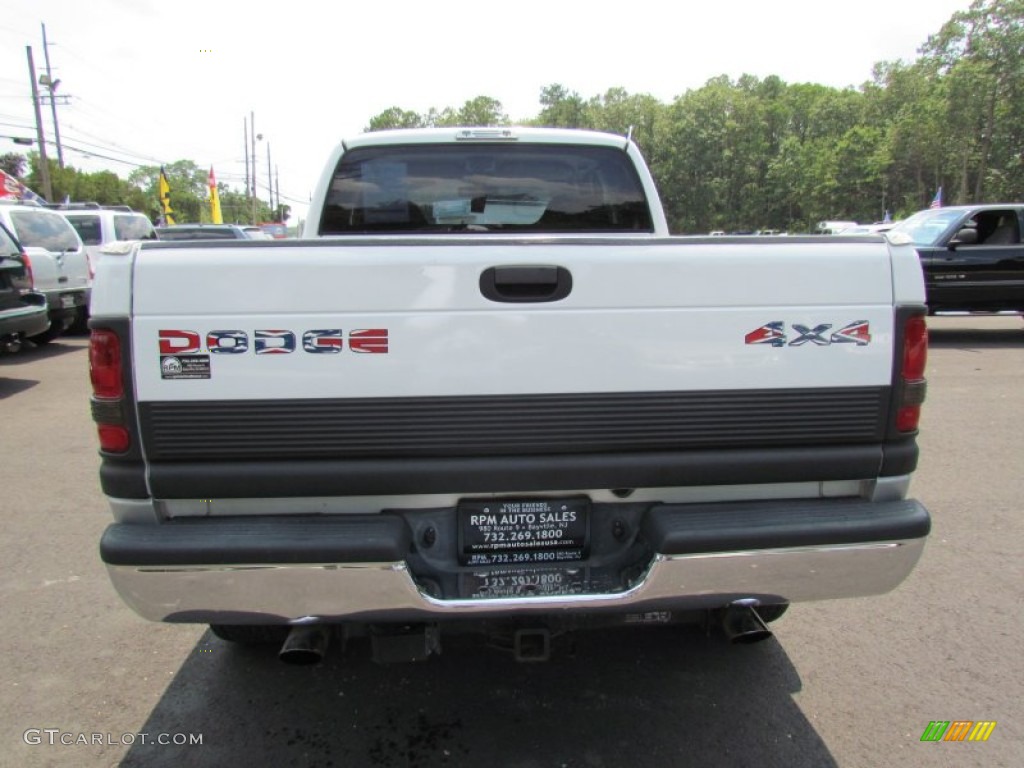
{"points": [[81, 323], [251, 634], [51, 333]]}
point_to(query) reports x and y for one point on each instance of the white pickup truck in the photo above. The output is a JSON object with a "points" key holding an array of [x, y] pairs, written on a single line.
{"points": [[488, 391]]}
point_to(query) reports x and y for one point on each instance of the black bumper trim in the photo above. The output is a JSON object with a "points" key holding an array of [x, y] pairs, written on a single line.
{"points": [[678, 529], [370, 477], [256, 541], [666, 529]]}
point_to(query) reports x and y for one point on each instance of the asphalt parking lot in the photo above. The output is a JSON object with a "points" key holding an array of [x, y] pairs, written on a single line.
{"points": [[843, 683]]}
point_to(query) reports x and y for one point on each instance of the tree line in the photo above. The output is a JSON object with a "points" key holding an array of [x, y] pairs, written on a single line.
{"points": [[756, 153], [751, 153], [188, 182]]}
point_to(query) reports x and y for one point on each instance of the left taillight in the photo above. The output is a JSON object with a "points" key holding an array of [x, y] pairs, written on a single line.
{"points": [[105, 364], [106, 372], [912, 364]]}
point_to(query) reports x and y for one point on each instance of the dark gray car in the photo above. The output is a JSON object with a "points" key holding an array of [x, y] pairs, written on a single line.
{"points": [[23, 312]]}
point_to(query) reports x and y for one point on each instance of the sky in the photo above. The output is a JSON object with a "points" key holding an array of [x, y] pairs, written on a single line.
{"points": [[154, 81]]}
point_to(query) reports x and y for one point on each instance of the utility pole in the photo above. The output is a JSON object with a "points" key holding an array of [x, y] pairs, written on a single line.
{"points": [[51, 86], [245, 148], [277, 188], [44, 164], [252, 127], [270, 181]]}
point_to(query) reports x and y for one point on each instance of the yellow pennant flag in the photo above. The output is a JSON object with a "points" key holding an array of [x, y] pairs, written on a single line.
{"points": [[215, 216], [165, 198]]}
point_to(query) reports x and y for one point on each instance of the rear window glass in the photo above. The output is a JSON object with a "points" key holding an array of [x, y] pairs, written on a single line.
{"points": [[44, 230], [88, 228], [189, 233], [133, 227], [7, 244], [481, 188]]}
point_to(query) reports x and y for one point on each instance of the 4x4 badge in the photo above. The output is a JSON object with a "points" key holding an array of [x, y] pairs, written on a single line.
{"points": [[774, 334]]}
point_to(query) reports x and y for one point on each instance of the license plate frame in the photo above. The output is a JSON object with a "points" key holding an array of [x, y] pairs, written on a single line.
{"points": [[523, 531]]}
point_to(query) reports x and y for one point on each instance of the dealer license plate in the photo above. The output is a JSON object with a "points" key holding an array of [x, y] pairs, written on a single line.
{"points": [[520, 531]]}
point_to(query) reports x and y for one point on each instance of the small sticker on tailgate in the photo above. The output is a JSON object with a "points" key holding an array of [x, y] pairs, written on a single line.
{"points": [[185, 366]]}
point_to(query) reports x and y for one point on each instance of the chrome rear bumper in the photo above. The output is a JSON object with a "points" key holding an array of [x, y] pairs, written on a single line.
{"points": [[387, 592]]}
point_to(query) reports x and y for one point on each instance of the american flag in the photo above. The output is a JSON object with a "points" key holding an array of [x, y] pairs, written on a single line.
{"points": [[937, 200], [12, 188]]}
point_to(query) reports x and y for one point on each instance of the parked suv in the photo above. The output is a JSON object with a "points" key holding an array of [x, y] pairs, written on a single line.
{"points": [[59, 264], [98, 225], [22, 310]]}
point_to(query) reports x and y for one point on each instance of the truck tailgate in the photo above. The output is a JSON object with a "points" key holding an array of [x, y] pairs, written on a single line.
{"points": [[401, 318]]}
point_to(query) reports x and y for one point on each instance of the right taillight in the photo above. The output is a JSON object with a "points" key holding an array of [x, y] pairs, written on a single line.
{"points": [[105, 371], [912, 381]]}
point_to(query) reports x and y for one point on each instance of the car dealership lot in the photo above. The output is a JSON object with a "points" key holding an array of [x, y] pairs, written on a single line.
{"points": [[846, 683]]}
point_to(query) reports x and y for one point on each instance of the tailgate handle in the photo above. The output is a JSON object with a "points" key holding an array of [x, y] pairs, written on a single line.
{"points": [[526, 283]]}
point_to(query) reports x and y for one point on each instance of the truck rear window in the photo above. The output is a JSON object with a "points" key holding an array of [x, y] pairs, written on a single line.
{"points": [[481, 188]]}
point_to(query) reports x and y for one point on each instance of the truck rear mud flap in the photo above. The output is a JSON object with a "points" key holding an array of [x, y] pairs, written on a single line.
{"points": [[470, 562]]}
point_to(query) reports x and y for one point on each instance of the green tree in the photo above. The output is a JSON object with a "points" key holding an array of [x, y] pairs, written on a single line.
{"points": [[562, 108], [188, 189], [13, 164], [980, 54], [394, 117], [480, 111], [618, 111], [909, 103], [236, 208], [69, 183]]}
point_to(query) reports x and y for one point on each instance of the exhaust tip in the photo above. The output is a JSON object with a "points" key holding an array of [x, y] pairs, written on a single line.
{"points": [[743, 625], [305, 645]]}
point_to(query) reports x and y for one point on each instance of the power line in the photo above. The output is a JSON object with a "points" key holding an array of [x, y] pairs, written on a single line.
{"points": [[89, 149]]}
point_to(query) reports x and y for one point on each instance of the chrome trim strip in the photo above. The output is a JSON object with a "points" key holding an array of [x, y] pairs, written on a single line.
{"points": [[340, 505], [387, 592]]}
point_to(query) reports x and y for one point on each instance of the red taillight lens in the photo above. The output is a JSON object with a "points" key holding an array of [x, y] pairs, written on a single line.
{"points": [[915, 348], [912, 381], [113, 438], [25, 282], [108, 391], [105, 364]]}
